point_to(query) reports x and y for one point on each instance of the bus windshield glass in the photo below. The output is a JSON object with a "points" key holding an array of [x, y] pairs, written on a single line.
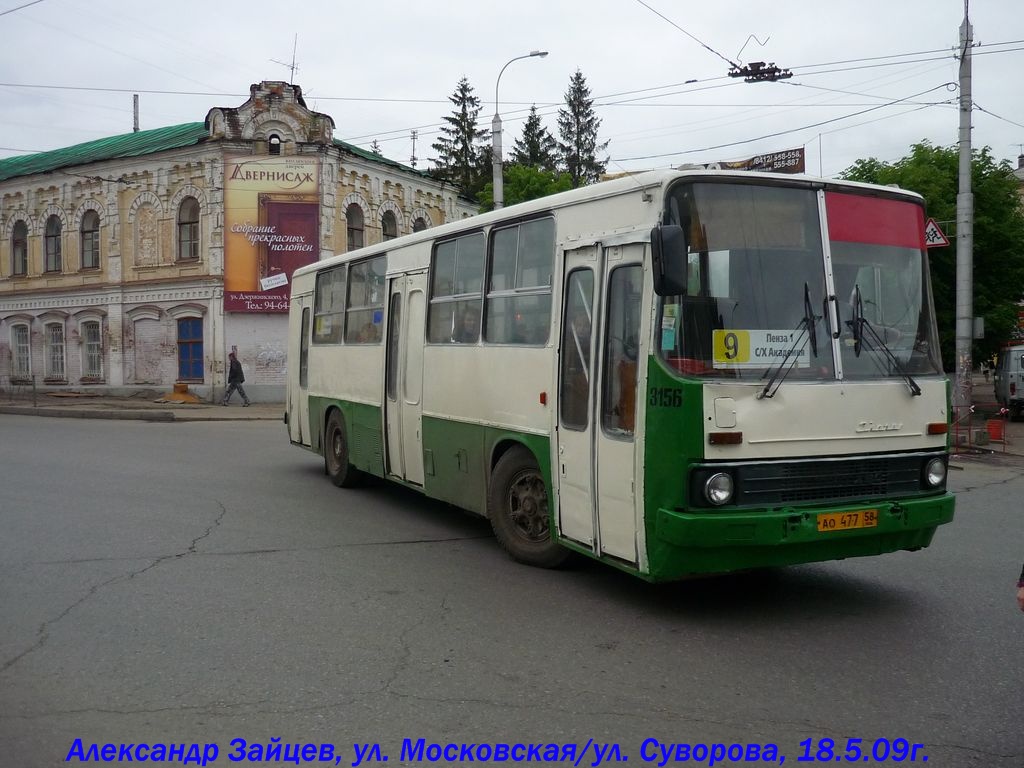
{"points": [[757, 304], [881, 276]]}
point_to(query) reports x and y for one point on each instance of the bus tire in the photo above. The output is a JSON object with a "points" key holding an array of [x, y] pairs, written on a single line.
{"points": [[336, 463], [517, 506]]}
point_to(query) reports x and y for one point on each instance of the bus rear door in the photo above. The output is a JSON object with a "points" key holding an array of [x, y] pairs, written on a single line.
{"points": [[298, 391], [403, 381]]}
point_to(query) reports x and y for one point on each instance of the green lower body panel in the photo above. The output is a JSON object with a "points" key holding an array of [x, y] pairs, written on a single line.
{"points": [[366, 441], [458, 457], [687, 543]]}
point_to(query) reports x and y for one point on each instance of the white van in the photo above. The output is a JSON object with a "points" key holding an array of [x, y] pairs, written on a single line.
{"points": [[1009, 379]]}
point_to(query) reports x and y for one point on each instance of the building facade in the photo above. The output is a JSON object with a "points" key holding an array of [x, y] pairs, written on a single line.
{"points": [[137, 262]]}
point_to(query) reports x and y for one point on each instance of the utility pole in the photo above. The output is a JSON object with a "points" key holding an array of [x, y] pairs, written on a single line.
{"points": [[413, 159], [964, 235]]}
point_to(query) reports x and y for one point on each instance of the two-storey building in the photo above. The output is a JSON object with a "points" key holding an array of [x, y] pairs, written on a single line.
{"points": [[135, 262]]}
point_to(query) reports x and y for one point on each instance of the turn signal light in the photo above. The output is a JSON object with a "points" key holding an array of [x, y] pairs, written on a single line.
{"points": [[938, 428], [725, 438]]}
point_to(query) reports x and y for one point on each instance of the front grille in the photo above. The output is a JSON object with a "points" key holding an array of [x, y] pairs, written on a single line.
{"points": [[775, 483]]}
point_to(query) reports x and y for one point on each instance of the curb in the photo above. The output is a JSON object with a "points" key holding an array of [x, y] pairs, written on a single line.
{"points": [[73, 413]]}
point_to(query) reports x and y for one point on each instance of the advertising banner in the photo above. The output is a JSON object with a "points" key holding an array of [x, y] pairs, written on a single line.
{"points": [[786, 161], [272, 227]]}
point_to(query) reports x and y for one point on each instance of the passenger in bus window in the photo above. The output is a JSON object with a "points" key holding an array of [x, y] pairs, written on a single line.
{"points": [[369, 333], [468, 331]]}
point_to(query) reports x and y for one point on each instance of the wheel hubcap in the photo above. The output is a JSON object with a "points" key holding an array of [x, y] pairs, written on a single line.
{"points": [[528, 507]]}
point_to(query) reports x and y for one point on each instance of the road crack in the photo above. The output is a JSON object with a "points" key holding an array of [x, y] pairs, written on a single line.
{"points": [[43, 632]]}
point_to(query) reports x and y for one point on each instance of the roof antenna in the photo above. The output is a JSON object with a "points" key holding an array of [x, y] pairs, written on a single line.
{"points": [[293, 66]]}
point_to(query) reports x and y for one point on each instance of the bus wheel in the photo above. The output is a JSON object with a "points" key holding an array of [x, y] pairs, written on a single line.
{"points": [[517, 505], [336, 464]]}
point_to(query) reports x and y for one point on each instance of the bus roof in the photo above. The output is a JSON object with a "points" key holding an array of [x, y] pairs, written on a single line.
{"points": [[622, 185]]}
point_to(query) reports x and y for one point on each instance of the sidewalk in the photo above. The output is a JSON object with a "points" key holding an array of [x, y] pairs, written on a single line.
{"points": [[83, 406], [986, 409]]}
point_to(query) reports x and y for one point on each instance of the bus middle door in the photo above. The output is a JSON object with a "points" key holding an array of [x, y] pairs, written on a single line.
{"points": [[403, 381]]}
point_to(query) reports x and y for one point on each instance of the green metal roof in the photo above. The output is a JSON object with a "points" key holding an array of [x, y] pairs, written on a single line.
{"points": [[368, 155], [126, 145], [144, 143]]}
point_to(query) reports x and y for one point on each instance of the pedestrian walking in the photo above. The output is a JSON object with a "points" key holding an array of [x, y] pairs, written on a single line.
{"points": [[1020, 590], [235, 379]]}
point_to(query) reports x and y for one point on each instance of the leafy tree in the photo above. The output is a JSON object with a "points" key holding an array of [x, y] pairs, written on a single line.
{"points": [[933, 172], [537, 147], [577, 129], [462, 156], [522, 183]]}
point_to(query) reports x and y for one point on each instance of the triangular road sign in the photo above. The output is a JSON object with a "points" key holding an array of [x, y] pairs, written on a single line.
{"points": [[933, 236]]}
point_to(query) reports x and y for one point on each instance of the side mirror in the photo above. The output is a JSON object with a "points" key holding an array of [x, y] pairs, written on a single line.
{"points": [[668, 260]]}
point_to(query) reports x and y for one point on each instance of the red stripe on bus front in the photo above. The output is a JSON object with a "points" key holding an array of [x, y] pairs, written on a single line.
{"points": [[874, 220]]}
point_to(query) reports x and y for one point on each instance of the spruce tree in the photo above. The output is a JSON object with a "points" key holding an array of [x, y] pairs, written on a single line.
{"points": [[577, 129], [463, 157], [536, 148]]}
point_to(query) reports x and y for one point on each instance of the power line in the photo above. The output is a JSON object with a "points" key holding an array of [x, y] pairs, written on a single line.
{"points": [[26, 5], [998, 117], [778, 133], [692, 37], [229, 94]]}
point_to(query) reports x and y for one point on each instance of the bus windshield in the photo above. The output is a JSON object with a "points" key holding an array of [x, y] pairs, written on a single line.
{"points": [[756, 300]]}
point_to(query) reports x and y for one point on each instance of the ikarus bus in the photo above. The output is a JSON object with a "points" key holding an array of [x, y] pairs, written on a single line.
{"points": [[676, 373]]}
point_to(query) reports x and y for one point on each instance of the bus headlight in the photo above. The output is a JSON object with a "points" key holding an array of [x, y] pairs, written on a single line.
{"points": [[718, 489], [935, 473]]}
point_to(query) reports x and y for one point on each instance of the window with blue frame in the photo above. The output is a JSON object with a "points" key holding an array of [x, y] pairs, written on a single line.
{"points": [[190, 349]]}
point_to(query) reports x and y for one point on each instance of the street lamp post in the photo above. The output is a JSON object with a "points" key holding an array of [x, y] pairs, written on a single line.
{"points": [[499, 188]]}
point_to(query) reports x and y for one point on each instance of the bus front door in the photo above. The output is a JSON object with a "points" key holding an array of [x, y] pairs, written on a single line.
{"points": [[403, 402], [597, 380]]}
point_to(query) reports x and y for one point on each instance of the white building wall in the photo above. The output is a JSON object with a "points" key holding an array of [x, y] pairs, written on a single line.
{"points": [[260, 343]]}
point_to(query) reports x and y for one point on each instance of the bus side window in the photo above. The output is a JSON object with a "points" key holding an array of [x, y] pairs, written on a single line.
{"points": [[574, 375]]}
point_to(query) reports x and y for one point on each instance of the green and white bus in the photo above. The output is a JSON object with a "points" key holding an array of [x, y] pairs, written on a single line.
{"points": [[677, 373]]}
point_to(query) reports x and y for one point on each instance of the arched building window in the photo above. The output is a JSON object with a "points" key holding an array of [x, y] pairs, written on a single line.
{"points": [[188, 229], [21, 352], [354, 216], [19, 248], [274, 144], [53, 352], [53, 259], [92, 350], [389, 225], [90, 240], [419, 224]]}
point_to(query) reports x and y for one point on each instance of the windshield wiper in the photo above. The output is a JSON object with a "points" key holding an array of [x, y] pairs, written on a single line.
{"points": [[806, 332], [863, 332]]}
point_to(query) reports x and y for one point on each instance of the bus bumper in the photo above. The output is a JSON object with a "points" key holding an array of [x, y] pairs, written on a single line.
{"points": [[714, 542]]}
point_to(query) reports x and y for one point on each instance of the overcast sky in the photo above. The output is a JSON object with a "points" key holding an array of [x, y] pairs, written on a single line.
{"points": [[870, 77]]}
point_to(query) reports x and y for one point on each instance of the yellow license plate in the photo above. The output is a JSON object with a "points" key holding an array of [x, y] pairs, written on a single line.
{"points": [[846, 521]]}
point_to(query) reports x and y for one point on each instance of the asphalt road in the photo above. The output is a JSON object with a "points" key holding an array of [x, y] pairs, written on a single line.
{"points": [[204, 582]]}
